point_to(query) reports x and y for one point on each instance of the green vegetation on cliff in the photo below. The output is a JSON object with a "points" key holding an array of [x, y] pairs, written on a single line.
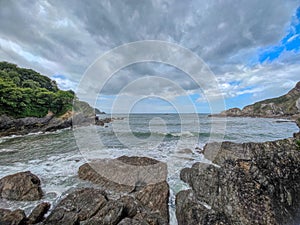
{"points": [[26, 93], [287, 105]]}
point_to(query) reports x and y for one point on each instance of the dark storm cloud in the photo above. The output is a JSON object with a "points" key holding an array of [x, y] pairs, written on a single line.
{"points": [[65, 37]]}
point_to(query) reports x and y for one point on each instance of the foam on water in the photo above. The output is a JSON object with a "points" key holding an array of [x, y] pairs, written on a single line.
{"points": [[55, 157]]}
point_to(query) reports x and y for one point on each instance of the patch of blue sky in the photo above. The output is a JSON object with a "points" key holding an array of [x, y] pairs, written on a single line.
{"points": [[291, 42], [238, 101], [59, 76]]}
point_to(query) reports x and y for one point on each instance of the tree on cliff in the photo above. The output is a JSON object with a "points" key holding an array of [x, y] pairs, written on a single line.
{"points": [[25, 93]]}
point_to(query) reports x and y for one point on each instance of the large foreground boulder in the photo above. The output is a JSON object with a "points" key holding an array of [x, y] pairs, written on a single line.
{"points": [[255, 183], [124, 174], [23, 186], [92, 206], [141, 178]]}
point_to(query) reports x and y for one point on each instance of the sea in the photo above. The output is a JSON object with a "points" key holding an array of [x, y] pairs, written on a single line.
{"points": [[171, 138]]}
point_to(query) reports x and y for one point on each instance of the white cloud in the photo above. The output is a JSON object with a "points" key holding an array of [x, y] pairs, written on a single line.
{"points": [[59, 37]]}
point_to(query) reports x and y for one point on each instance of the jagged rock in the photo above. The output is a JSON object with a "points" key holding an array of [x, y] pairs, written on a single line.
{"points": [[156, 197], [111, 214], [130, 205], [129, 221], [77, 206], [37, 214], [141, 177], [282, 107], [21, 126], [16, 217], [23, 186], [151, 218], [256, 183], [195, 212]]}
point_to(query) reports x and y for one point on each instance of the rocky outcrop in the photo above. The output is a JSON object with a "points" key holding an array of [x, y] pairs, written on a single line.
{"points": [[285, 106], [92, 206], [16, 217], [11, 126], [23, 186], [254, 183], [38, 213], [141, 178], [124, 174], [77, 206], [143, 201]]}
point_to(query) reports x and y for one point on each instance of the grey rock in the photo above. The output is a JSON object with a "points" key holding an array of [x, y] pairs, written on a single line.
{"points": [[37, 214], [140, 177], [23, 186], [77, 206], [255, 183], [16, 217], [111, 214]]}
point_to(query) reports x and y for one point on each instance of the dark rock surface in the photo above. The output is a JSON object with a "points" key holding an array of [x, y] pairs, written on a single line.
{"points": [[11, 126], [23, 186], [77, 206], [145, 203], [155, 197], [141, 182], [16, 217], [38, 213], [91, 206], [255, 183]]}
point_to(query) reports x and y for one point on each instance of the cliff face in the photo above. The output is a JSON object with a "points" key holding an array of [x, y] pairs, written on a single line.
{"points": [[255, 183], [287, 105]]}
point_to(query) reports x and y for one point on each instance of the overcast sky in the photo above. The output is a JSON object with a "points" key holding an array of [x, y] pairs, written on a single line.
{"points": [[251, 46]]}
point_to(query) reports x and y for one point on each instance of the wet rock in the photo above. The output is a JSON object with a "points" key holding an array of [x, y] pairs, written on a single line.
{"points": [[255, 183], [8, 217], [129, 221], [37, 214], [130, 205], [195, 212], [77, 206], [49, 123], [111, 214], [156, 198], [140, 177], [124, 174], [23, 186]]}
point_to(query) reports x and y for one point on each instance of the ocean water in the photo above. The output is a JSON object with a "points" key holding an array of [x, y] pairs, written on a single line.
{"points": [[171, 138]]}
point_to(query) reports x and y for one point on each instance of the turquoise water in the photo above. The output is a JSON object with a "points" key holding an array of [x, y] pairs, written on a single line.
{"points": [[55, 157]]}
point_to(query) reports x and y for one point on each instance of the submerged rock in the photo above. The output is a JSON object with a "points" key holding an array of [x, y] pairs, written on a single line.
{"points": [[255, 183], [23, 186]]}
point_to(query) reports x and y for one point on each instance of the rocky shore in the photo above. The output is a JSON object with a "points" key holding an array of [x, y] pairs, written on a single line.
{"points": [[108, 202], [285, 106], [10, 126], [250, 183], [246, 184]]}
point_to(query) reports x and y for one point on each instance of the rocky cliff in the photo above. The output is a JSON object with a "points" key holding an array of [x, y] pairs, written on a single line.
{"points": [[287, 105], [249, 184]]}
